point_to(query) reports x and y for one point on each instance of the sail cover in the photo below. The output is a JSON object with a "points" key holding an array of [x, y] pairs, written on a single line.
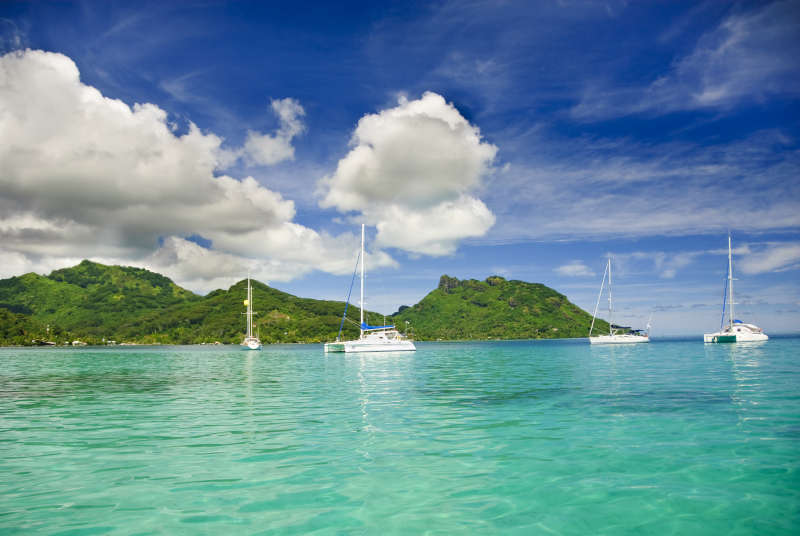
{"points": [[367, 327]]}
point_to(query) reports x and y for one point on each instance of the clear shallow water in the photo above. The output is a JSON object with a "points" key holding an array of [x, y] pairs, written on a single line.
{"points": [[507, 437]]}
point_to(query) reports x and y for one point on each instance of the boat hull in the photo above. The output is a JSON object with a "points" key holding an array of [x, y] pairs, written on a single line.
{"points": [[362, 346], [251, 344], [619, 339], [734, 337], [736, 331]]}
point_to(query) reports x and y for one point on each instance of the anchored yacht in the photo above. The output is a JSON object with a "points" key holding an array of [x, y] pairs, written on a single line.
{"points": [[735, 330], [372, 338], [614, 337]]}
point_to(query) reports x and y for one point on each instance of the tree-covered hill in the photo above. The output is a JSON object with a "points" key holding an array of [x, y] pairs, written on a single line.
{"points": [[89, 300], [19, 329], [280, 317], [494, 308], [94, 303]]}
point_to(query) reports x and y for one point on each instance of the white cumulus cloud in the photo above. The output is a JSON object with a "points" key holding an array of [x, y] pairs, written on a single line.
{"points": [[268, 149], [84, 175], [413, 172]]}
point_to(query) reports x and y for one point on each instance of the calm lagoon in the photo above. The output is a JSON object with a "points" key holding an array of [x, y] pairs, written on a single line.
{"points": [[523, 437]]}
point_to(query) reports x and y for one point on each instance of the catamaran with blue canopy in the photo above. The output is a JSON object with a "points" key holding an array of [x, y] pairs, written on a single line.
{"points": [[372, 338], [736, 330]]}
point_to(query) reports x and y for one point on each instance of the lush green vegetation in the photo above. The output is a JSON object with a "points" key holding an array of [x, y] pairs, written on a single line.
{"points": [[19, 329], [494, 309], [90, 300], [281, 317], [95, 303]]}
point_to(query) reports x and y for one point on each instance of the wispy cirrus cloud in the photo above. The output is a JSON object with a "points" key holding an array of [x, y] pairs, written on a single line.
{"points": [[751, 55], [575, 269], [668, 265], [12, 37], [773, 258], [748, 258], [665, 265], [595, 188]]}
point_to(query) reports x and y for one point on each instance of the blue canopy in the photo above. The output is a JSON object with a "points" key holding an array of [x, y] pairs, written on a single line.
{"points": [[738, 322], [365, 326]]}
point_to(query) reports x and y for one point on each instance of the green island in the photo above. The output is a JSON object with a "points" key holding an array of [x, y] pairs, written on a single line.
{"points": [[97, 304], [495, 308]]}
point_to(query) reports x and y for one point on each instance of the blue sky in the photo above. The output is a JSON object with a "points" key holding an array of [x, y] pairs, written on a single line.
{"points": [[530, 140]]}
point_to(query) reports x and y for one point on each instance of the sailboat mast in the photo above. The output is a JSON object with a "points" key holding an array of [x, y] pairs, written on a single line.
{"points": [[249, 309], [361, 326], [730, 283], [610, 329], [597, 305]]}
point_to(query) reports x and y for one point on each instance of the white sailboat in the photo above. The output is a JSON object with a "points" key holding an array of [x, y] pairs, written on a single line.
{"points": [[372, 338], [613, 337], [736, 330], [250, 342]]}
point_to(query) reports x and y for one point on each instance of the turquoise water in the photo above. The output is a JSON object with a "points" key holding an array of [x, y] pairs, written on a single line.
{"points": [[547, 437]]}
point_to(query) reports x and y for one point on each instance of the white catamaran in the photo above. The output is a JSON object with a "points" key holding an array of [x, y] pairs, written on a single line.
{"points": [[736, 330], [372, 338], [250, 342], [613, 337]]}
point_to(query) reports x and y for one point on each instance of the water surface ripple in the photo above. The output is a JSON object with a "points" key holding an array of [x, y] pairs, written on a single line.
{"points": [[524, 437]]}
